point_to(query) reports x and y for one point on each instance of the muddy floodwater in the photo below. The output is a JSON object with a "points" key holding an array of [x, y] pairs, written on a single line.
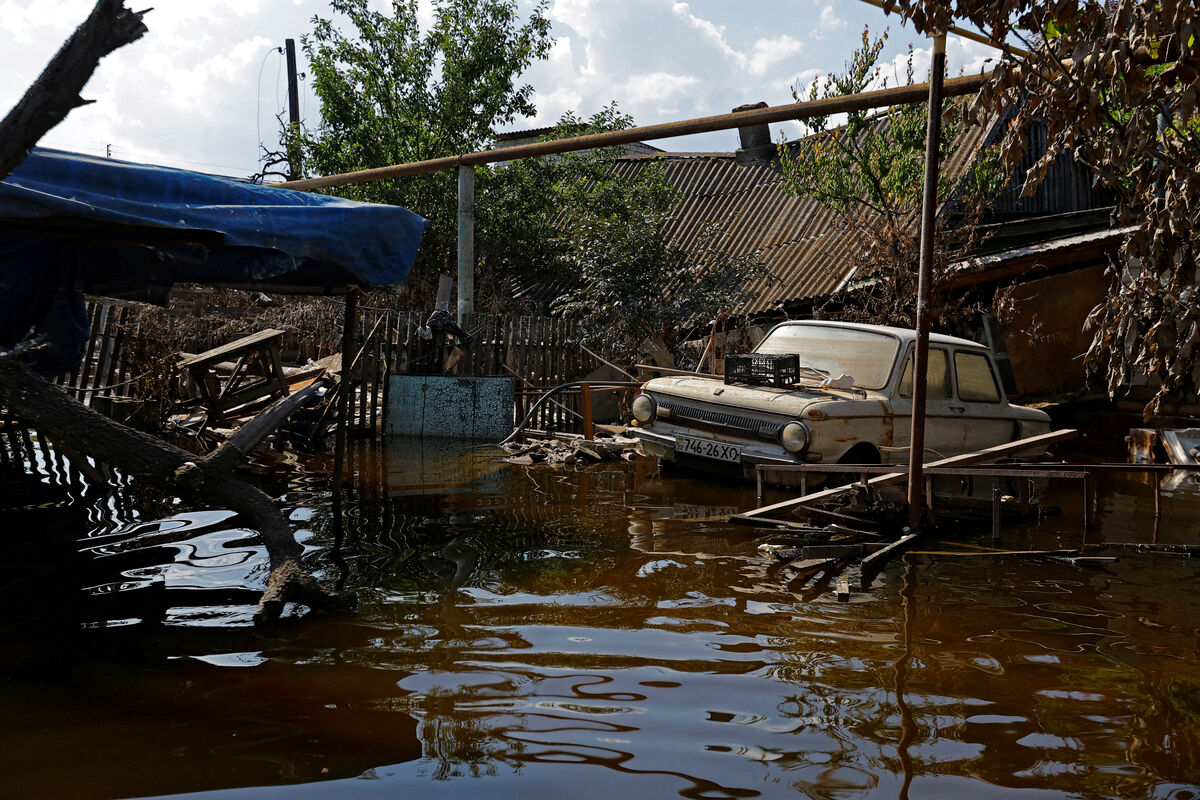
{"points": [[581, 634]]}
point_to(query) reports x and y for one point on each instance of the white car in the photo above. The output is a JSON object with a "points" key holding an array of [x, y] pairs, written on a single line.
{"points": [[850, 402]]}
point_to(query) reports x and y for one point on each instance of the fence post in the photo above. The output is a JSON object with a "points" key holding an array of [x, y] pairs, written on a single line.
{"points": [[585, 400]]}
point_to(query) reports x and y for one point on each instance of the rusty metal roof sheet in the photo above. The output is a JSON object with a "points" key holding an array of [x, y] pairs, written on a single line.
{"points": [[802, 243]]}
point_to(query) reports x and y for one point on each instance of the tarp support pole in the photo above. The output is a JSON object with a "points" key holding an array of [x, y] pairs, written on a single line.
{"points": [[349, 323], [466, 246], [933, 137]]}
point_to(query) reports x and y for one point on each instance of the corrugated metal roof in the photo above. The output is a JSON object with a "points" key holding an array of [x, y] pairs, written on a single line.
{"points": [[803, 244]]}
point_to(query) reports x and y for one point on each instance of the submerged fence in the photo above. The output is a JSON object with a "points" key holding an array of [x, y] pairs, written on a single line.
{"points": [[540, 352], [130, 350]]}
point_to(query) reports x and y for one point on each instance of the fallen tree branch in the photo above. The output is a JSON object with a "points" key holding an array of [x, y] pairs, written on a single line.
{"points": [[211, 477], [56, 91]]}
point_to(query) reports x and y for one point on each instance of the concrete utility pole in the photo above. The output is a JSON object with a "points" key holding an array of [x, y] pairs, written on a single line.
{"points": [[933, 137], [466, 246], [293, 102]]}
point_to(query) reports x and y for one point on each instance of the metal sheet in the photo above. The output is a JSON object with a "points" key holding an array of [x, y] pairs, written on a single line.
{"points": [[450, 407]]}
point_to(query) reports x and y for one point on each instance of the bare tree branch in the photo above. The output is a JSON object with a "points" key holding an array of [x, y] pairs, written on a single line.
{"points": [[56, 91]]}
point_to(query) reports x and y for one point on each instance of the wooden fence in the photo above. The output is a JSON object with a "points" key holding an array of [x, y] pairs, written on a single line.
{"points": [[104, 378], [540, 352]]}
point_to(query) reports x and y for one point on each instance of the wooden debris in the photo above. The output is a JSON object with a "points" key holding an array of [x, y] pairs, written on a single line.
{"points": [[874, 563], [800, 572], [214, 478], [766, 514], [571, 451]]}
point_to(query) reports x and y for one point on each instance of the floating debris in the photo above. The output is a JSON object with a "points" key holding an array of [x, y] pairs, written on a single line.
{"points": [[570, 451]]}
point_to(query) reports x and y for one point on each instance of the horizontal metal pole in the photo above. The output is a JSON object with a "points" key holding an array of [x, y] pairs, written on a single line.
{"points": [[984, 472], [964, 33], [862, 101], [1027, 470]]}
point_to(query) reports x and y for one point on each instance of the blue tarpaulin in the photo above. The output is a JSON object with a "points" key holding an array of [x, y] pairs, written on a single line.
{"points": [[71, 223]]}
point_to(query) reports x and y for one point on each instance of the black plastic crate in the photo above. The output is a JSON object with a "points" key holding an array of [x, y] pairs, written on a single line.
{"points": [[765, 369]]}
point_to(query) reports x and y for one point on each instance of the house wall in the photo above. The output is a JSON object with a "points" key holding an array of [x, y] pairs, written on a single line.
{"points": [[1053, 309]]}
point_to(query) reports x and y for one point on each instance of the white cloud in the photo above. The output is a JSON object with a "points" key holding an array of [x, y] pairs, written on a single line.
{"points": [[769, 52], [656, 87], [828, 22], [962, 56], [713, 33]]}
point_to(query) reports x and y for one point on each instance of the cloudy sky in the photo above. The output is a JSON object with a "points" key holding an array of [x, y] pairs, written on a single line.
{"points": [[202, 88]]}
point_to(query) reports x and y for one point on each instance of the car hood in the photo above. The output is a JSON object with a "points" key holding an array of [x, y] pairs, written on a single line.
{"points": [[767, 399]]}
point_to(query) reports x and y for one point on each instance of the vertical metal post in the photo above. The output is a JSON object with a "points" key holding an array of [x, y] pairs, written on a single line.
{"points": [[349, 322], [466, 246], [933, 136], [1157, 495]]}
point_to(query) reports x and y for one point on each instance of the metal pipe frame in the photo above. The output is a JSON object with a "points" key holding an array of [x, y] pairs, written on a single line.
{"points": [[862, 101]]}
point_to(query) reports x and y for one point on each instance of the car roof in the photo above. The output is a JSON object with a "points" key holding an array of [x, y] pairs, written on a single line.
{"points": [[903, 334]]}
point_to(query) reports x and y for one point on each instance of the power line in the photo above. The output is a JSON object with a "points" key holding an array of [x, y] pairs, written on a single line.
{"points": [[258, 103]]}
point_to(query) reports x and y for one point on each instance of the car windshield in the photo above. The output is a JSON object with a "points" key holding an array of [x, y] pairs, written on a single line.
{"points": [[866, 356]]}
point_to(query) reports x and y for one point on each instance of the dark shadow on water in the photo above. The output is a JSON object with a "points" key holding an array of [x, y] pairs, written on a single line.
{"points": [[591, 633]]}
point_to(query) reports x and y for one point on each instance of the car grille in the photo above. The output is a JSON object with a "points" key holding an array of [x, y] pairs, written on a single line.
{"points": [[713, 421]]}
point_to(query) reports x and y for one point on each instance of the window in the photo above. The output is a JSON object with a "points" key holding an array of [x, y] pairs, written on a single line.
{"points": [[866, 356], [976, 382], [937, 376]]}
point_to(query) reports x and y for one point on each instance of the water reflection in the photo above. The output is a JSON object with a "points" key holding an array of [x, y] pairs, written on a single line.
{"points": [[598, 632]]}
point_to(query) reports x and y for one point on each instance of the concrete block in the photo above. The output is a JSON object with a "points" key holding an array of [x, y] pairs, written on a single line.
{"points": [[450, 407]]}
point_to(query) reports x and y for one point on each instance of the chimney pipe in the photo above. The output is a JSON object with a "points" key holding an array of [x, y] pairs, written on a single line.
{"points": [[755, 140]]}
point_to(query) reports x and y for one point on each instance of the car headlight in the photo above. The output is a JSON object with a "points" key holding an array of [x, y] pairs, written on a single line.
{"points": [[794, 437], [644, 408]]}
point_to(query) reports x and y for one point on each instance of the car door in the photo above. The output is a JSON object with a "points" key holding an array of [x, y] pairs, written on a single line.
{"points": [[981, 402], [945, 427]]}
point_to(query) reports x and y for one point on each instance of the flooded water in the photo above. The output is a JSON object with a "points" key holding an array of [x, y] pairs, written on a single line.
{"points": [[529, 633]]}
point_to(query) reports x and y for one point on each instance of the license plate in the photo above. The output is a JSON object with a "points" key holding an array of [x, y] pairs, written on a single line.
{"points": [[707, 449]]}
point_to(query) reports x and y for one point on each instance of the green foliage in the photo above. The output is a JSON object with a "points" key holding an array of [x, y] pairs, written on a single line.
{"points": [[1116, 85], [870, 167], [633, 285], [525, 204], [873, 162], [391, 93]]}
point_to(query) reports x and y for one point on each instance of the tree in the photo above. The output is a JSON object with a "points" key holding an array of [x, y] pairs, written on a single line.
{"points": [[391, 93], [1117, 83], [526, 208], [870, 170], [631, 284]]}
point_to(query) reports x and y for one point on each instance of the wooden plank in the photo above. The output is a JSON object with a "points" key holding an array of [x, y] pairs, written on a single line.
{"points": [[1025, 553], [874, 563], [978, 456], [831, 550], [104, 358], [376, 356], [85, 369], [113, 375], [231, 349], [843, 590], [806, 568]]}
